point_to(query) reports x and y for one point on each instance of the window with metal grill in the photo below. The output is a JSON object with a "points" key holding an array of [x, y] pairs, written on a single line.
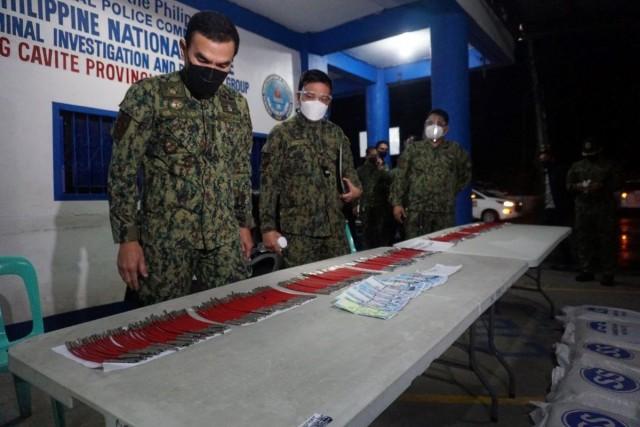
{"points": [[82, 151]]}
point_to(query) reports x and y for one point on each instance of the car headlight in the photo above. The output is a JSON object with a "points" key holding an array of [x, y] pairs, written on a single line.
{"points": [[508, 204], [623, 195]]}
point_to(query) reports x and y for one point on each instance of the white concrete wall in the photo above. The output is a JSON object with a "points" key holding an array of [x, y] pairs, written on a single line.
{"points": [[70, 242]]}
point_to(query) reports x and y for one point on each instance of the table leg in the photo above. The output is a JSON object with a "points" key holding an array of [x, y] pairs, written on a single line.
{"points": [[110, 421], [494, 351], [536, 277], [471, 349], [58, 413], [473, 365]]}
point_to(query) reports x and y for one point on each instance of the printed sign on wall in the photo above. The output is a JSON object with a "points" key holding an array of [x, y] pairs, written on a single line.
{"points": [[123, 41]]}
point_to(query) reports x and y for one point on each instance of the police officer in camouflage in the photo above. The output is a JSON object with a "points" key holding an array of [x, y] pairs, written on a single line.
{"points": [[307, 176], [375, 210], [593, 181], [186, 139], [429, 175]]}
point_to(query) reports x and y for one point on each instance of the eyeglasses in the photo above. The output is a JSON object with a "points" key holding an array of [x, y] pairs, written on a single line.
{"points": [[306, 95], [440, 123]]}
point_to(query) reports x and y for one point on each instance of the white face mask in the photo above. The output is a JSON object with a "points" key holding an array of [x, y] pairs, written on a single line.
{"points": [[313, 110], [433, 132]]}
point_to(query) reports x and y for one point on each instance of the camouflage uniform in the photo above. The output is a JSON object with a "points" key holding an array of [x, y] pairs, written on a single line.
{"points": [[426, 182], [299, 187], [375, 211], [595, 213], [195, 174]]}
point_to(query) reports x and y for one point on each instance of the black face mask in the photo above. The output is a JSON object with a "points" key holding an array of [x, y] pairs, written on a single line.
{"points": [[202, 82]]}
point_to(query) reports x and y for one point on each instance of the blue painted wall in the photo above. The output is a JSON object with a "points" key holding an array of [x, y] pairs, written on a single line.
{"points": [[377, 110], [450, 86]]}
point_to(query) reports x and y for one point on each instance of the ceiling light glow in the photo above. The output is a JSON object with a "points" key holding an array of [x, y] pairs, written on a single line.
{"points": [[399, 49]]}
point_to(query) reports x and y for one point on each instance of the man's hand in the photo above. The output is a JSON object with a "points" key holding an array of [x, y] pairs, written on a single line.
{"points": [[352, 193], [270, 241], [399, 214], [131, 264], [246, 241]]}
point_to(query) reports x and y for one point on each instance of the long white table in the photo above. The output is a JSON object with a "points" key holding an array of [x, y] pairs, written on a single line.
{"points": [[529, 243], [277, 372]]}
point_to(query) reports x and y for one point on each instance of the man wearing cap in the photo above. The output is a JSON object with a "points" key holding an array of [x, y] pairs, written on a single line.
{"points": [[307, 176], [593, 180], [179, 179], [429, 175]]}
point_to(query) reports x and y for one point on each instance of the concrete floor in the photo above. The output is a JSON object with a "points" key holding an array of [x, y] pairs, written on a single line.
{"points": [[443, 396]]}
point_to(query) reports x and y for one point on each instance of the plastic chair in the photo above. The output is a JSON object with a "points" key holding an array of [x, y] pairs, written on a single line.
{"points": [[265, 262], [18, 266]]}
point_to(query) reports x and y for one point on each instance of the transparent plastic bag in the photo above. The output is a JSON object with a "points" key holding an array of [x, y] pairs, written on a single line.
{"points": [[604, 331], [598, 312], [598, 354], [576, 414], [616, 391]]}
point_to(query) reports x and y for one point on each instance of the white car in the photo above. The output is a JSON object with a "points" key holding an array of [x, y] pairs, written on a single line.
{"points": [[492, 206], [629, 195]]}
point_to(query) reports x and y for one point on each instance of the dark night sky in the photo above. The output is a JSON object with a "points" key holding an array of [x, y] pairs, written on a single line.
{"points": [[590, 83]]}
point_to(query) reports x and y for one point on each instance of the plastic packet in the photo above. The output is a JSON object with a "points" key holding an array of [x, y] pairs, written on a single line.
{"points": [[605, 331], [600, 354], [613, 390], [598, 312], [576, 414]]}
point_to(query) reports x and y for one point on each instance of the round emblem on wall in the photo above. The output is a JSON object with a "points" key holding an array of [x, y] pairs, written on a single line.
{"points": [[277, 97]]}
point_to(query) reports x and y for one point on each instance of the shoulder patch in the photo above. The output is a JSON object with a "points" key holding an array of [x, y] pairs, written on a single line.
{"points": [[121, 125]]}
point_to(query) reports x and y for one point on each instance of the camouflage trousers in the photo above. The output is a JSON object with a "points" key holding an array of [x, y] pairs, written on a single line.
{"points": [[419, 223], [595, 230], [303, 249], [171, 270]]}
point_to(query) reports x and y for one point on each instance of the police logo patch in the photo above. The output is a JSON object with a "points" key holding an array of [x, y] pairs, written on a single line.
{"points": [[277, 97]]}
